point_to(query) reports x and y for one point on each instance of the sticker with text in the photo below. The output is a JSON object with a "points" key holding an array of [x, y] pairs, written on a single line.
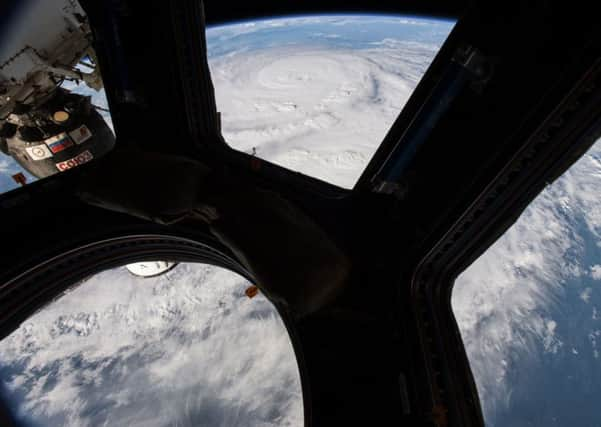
{"points": [[80, 159]]}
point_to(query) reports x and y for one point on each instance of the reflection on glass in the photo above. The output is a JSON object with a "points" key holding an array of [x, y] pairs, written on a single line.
{"points": [[529, 309], [53, 115], [185, 348]]}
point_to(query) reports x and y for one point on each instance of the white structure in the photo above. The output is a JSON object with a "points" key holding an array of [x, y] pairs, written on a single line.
{"points": [[150, 268], [45, 43]]}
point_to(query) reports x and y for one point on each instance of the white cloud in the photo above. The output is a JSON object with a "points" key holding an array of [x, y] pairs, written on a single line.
{"points": [[322, 112], [502, 300], [319, 111], [186, 348], [5, 165], [8, 167]]}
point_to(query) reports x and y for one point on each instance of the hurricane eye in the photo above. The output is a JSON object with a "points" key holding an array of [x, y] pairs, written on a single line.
{"points": [[318, 94]]}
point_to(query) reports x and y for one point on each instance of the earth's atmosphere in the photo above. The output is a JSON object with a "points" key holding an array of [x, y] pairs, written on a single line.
{"points": [[317, 95]]}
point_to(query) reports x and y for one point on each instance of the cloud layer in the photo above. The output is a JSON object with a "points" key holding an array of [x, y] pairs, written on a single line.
{"points": [[313, 94], [184, 349], [528, 309], [317, 111], [317, 95]]}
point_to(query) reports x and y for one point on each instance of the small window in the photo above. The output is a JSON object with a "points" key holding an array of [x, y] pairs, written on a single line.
{"points": [[318, 94], [529, 309], [154, 345], [53, 110]]}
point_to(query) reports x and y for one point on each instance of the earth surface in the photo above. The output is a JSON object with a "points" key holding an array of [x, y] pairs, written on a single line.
{"points": [[317, 95]]}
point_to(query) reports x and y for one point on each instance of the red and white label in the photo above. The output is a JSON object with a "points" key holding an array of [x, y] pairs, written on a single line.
{"points": [[81, 134], [80, 159]]}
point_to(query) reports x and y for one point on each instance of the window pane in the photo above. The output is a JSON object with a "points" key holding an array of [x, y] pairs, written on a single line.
{"points": [[529, 309], [318, 94], [53, 111], [188, 347]]}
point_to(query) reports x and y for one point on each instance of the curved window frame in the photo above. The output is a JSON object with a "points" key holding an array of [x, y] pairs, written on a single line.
{"points": [[48, 280]]}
